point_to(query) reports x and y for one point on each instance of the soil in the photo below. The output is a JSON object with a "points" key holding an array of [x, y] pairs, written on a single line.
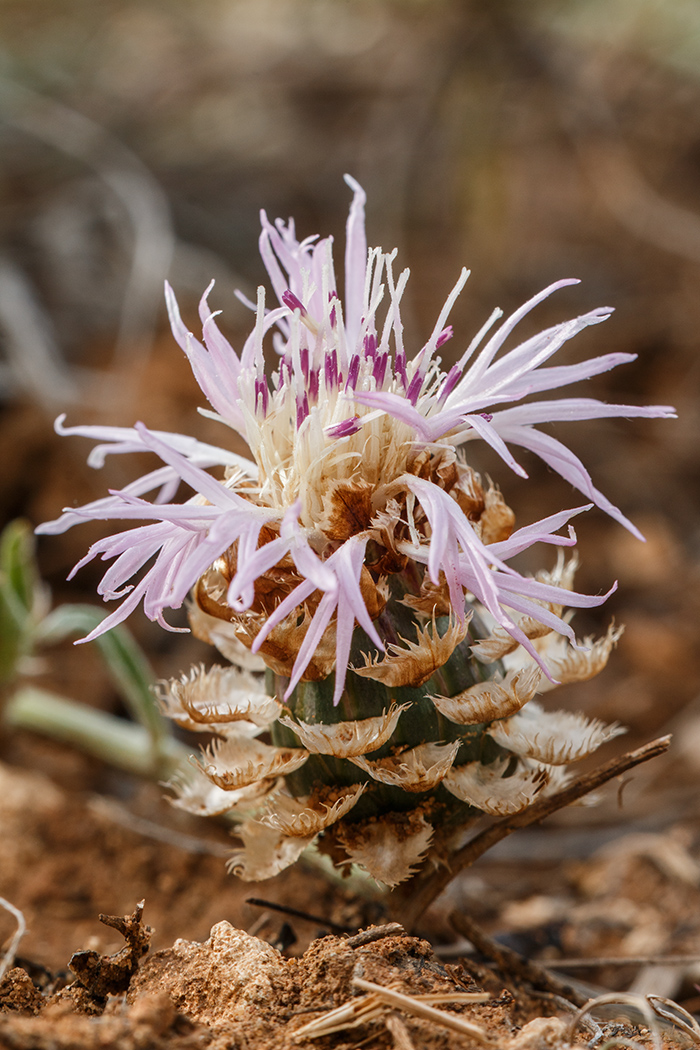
{"points": [[218, 971]]}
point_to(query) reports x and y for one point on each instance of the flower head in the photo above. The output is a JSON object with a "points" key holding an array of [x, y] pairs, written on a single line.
{"points": [[357, 516]]}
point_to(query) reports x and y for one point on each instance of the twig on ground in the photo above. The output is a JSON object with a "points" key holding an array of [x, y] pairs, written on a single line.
{"points": [[511, 963], [674, 1013], [615, 999], [11, 950], [318, 920], [426, 887], [376, 933]]}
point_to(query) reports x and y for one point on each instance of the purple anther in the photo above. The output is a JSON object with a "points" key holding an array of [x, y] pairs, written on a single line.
{"points": [[330, 370], [302, 410], [344, 429], [445, 335], [305, 363], [414, 387], [451, 380], [293, 302], [370, 343], [400, 367], [261, 395], [313, 385], [353, 372], [488, 416], [379, 370]]}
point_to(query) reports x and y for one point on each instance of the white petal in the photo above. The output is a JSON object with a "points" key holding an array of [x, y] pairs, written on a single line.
{"points": [[205, 700], [265, 852], [488, 700], [305, 816], [347, 739], [486, 788], [387, 849], [552, 737], [237, 762], [419, 769]]}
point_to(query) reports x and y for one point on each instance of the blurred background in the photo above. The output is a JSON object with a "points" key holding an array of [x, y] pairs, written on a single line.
{"points": [[527, 140]]}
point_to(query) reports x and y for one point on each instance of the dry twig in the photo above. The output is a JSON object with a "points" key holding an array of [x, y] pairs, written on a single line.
{"points": [[426, 887], [511, 963]]}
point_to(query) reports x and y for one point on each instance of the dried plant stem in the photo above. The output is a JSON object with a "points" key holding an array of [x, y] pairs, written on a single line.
{"points": [[409, 904], [511, 963]]}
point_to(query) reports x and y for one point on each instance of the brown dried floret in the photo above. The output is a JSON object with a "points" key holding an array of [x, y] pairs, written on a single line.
{"points": [[195, 793], [347, 509], [578, 665], [497, 520]]}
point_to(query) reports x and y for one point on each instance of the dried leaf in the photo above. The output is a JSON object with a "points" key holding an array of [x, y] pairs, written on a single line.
{"points": [[265, 852], [486, 701], [208, 700], [552, 737], [419, 769], [388, 848], [237, 762], [308, 816], [488, 789], [347, 739], [415, 664]]}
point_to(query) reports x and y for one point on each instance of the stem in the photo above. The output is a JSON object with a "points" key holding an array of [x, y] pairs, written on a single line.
{"points": [[113, 740], [410, 904]]}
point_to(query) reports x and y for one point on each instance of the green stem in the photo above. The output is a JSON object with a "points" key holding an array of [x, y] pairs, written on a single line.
{"points": [[120, 743]]}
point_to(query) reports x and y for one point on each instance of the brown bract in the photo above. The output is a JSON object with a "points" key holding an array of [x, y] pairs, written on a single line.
{"points": [[418, 661], [347, 509]]}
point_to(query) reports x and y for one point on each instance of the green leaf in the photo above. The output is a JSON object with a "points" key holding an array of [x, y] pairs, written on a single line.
{"points": [[20, 594], [126, 662], [113, 740]]}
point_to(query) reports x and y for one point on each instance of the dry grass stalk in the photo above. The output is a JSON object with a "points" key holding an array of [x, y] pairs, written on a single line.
{"points": [[374, 1006]]}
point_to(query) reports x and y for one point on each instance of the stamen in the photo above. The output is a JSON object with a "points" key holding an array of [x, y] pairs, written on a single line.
{"points": [[353, 372], [414, 387], [444, 337], [344, 429], [330, 370]]}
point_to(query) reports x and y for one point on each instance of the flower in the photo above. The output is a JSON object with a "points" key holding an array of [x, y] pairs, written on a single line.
{"points": [[355, 521]]}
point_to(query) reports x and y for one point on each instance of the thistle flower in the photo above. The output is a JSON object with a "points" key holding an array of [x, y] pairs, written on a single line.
{"points": [[360, 563]]}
